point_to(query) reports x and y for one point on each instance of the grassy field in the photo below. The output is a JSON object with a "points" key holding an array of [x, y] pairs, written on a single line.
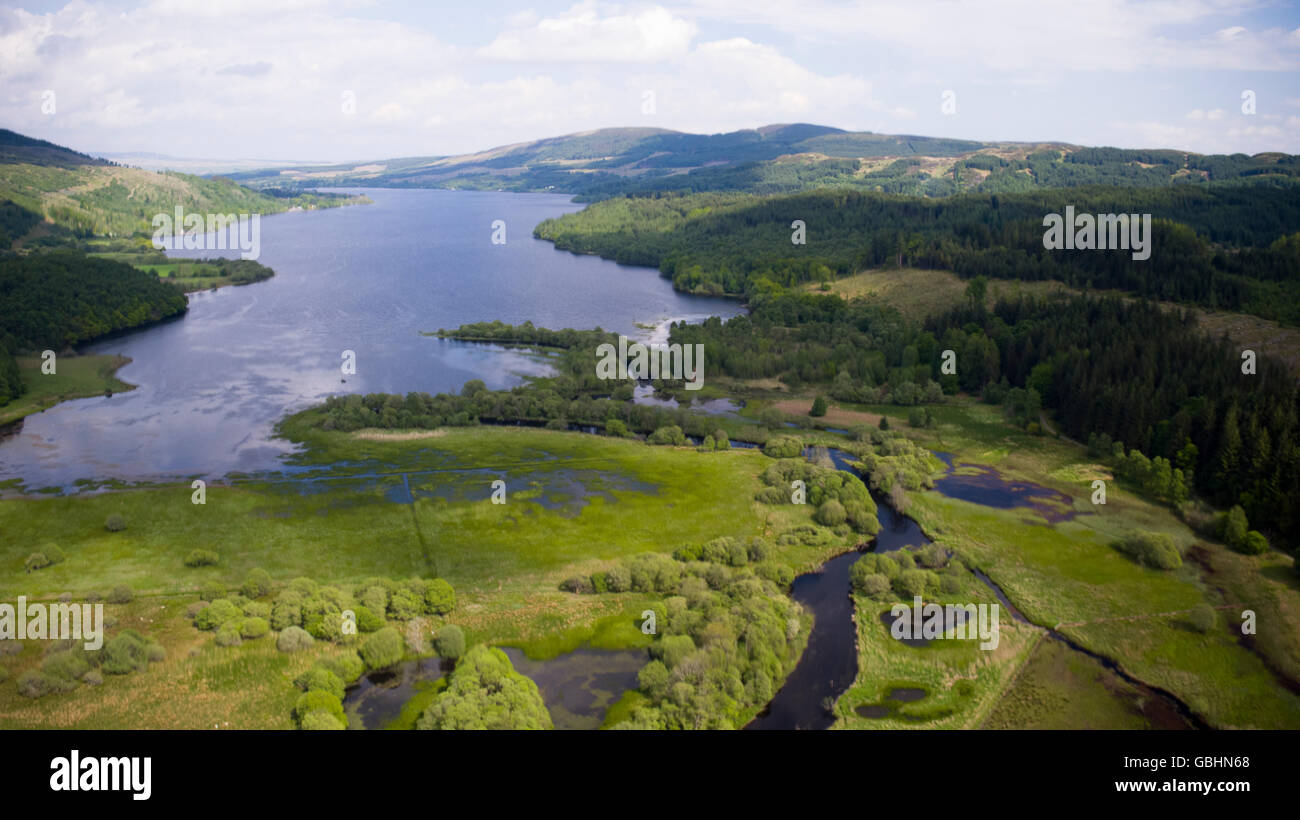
{"points": [[919, 293], [75, 377], [574, 503], [962, 682], [1069, 576]]}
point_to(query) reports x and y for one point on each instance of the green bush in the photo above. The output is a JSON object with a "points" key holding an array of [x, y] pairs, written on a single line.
{"points": [[256, 584], [450, 643], [320, 679], [321, 720], [294, 639], [115, 523], [783, 447], [253, 628], [911, 582], [217, 614], [819, 407], [404, 605], [37, 561], [314, 700], [348, 666], [485, 692], [1151, 549], [670, 434], [439, 597], [831, 513], [121, 595], [383, 649], [228, 634], [202, 558], [212, 590], [124, 653], [1254, 543]]}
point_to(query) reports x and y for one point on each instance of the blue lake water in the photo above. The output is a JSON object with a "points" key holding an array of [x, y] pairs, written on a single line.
{"points": [[212, 384]]}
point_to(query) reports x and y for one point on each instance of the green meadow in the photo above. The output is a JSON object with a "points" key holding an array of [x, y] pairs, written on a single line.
{"points": [[1067, 575], [75, 377]]}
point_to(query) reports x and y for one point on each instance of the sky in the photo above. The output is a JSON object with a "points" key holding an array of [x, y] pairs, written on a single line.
{"points": [[312, 80]]}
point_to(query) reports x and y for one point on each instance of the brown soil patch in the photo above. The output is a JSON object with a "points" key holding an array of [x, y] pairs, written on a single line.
{"points": [[835, 416]]}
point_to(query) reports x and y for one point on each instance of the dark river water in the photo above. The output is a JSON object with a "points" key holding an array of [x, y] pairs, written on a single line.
{"points": [[369, 279]]}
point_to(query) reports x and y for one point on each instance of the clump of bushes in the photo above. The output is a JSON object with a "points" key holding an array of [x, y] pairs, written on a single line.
{"points": [[202, 558], [450, 643], [783, 447], [668, 435], [120, 595], [294, 639], [1151, 549], [115, 523], [383, 649]]}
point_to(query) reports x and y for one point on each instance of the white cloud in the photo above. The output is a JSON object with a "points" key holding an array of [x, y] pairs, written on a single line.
{"points": [[581, 34]]}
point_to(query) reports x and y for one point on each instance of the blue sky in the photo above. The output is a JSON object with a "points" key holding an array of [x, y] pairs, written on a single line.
{"points": [[317, 80]]}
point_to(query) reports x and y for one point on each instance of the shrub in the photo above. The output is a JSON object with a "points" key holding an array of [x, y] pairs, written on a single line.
{"points": [[154, 652], [598, 582], [121, 595], [451, 642], [256, 609], [382, 649], [348, 666], [367, 621], [831, 513], [217, 614], [320, 679], [201, 558], [92, 678], [293, 639], [1203, 618], [616, 427], [577, 583], [618, 578], [124, 653], [439, 597], [115, 523], [256, 584], [818, 407], [211, 591], [669, 434], [228, 634], [404, 605], [253, 628], [720, 440], [1233, 527], [315, 700], [1254, 543], [783, 447], [33, 684], [1151, 549], [911, 582], [321, 720]]}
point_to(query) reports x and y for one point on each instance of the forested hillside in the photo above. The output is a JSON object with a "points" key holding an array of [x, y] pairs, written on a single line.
{"points": [[1231, 246], [62, 298], [1142, 376]]}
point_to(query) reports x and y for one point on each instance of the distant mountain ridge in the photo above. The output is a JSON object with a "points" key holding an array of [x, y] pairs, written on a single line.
{"points": [[781, 158]]}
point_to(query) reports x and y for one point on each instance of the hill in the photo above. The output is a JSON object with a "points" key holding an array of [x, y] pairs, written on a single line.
{"points": [[94, 197], [779, 159]]}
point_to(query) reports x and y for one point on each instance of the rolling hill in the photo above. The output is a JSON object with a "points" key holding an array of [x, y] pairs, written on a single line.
{"points": [[95, 197], [777, 159]]}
